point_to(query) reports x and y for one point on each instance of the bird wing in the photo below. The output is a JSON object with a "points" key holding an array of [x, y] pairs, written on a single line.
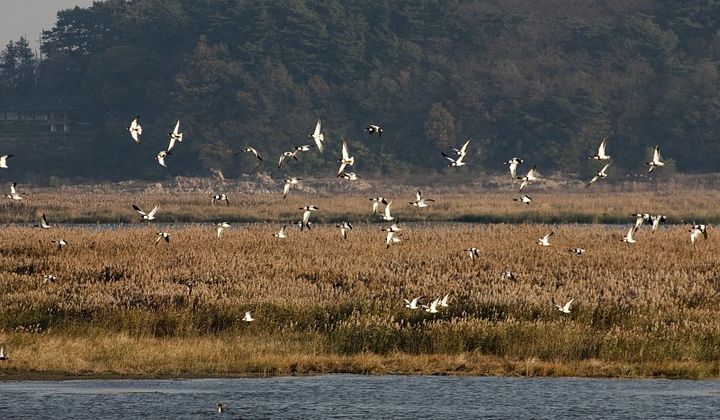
{"points": [[387, 210], [601, 149], [316, 134], [153, 211], [176, 130], [43, 221], [448, 157], [286, 189], [595, 178], [282, 157], [342, 168], [656, 154], [345, 153], [513, 169], [567, 305], [171, 144], [306, 216], [463, 149], [375, 206], [418, 196], [139, 210]]}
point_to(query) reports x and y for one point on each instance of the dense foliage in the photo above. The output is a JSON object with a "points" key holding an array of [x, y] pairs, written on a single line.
{"points": [[545, 80]]}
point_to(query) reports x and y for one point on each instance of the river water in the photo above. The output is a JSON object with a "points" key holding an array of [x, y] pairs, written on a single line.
{"points": [[367, 397]]}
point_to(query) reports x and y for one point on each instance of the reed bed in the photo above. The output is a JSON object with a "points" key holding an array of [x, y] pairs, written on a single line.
{"points": [[321, 303]]}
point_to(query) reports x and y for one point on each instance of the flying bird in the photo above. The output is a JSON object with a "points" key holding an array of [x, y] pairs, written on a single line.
{"points": [[696, 231], [655, 162], [531, 176], [392, 238], [525, 199], [43, 222], [599, 175], [462, 151], [444, 302], [350, 176], [221, 227], [307, 210], [49, 278], [413, 304], [376, 203], [248, 317], [61, 243], [251, 150], [135, 129], [4, 354], [420, 201], [565, 308], [374, 129], [601, 152], [433, 307], [161, 157], [656, 221], [303, 148], [281, 234], [641, 218], [473, 253], [318, 136], [454, 162], [545, 240], [346, 160], [220, 198], [13, 193], [345, 227], [162, 235], [4, 159], [289, 183], [508, 275], [386, 214], [576, 251], [146, 216], [175, 136], [513, 164], [629, 238], [287, 155]]}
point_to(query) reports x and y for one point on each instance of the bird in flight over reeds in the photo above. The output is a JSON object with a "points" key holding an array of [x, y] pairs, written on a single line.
{"points": [[220, 198], [696, 231], [525, 199], [162, 235], [302, 148], [4, 355], [4, 159], [287, 155], [454, 162], [318, 136], [461, 151], [43, 222], [161, 157], [392, 238], [576, 251], [445, 301], [386, 213], [248, 317], [14, 195], [512, 165], [473, 253], [221, 228], [565, 308], [281, 234], [432, 308], [350, 176], [374, 129], [641, 218], [630, 236], [655, 162], [135, 129], [545, 240], [175, 136], [656, 221], [601, 174], [413, 304], [61, 243], [421, 202], [146, 216], [307, 210], [253, 151], [346, 159], [531, 176], [289, 183], [345, 227], [508, 275], [376, 203], [601, 152]]}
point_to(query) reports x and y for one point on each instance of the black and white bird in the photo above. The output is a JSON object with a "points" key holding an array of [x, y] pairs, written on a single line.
{"points": [[374, 129], [281, 234], [641, 218], [219, 198], [601, 174], [292, 181], [473, 253], [49, 278], [509, 275], [345, 227], [302, 148], [14, 195], [61, 243], [656, 221], [350, 176], [629, 238], [287, 155], [376, 201], [601, 152], [146, 216], [461, 151], [248, 317], [392, 238], [220, 408], [655, 162], [420, 201], [432, 308], [413, 304], [454, 162], [696, 231], [545, 240], [135, 129], [525, 199], [307, 210], [576, 251], [531, 176], [386, 213], [160, 236], [43, 222], [445, 301], [4, 159], [161, 157], [512, 165], [4, 354], [346, 159], [175, 136], [565, 308], [221, 228], [253, 151], [318, 136]]}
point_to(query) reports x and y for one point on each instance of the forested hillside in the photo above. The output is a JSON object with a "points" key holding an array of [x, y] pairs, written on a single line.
{"points": [[543, 80]]}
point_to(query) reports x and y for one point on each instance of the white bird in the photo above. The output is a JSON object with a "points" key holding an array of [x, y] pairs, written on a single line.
{"points": [[445, 301], [599, 175], [526, 199], [696, 231], [413, 304], [281, 234], [641, 218], [350, 176], [3, 160], [601, 152], [220, 198], [60, 243], [175, 136], [161, 157], [392, 238], [629, 238], [545, 240], [248, 317], [392, 228], [433, 307], [318, 136], [420, 201], [513, 164], [576, 251], [307, 210], [161, 236], [303, 148], [655, 162], [386, 213], [221, 227], [146, 216], [345, 227], [13, 192], [253, 151], [374, 129], [49, 278], [43, 222], [656, 221], [135, 129], [508, 275], [453, 161], [463, 150], [287, 155], [473, 253], [531, 176], [346, 160], [376, 203], [4, 354], [565, 308], [289, 183]]}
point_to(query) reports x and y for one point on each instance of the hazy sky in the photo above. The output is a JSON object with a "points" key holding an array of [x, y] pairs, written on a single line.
{"points": [[28, 17]]}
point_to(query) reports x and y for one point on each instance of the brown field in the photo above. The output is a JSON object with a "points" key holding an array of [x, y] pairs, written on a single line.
{"points": [[120, 306]]}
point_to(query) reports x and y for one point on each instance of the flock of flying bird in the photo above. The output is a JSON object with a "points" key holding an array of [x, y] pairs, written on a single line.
{"points": [[392, 232]]}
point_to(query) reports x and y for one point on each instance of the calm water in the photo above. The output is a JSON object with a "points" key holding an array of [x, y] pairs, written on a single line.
{"points": [[350, 396]]}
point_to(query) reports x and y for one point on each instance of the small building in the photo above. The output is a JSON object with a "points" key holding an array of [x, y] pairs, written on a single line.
{"points": [[51, 112]]}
